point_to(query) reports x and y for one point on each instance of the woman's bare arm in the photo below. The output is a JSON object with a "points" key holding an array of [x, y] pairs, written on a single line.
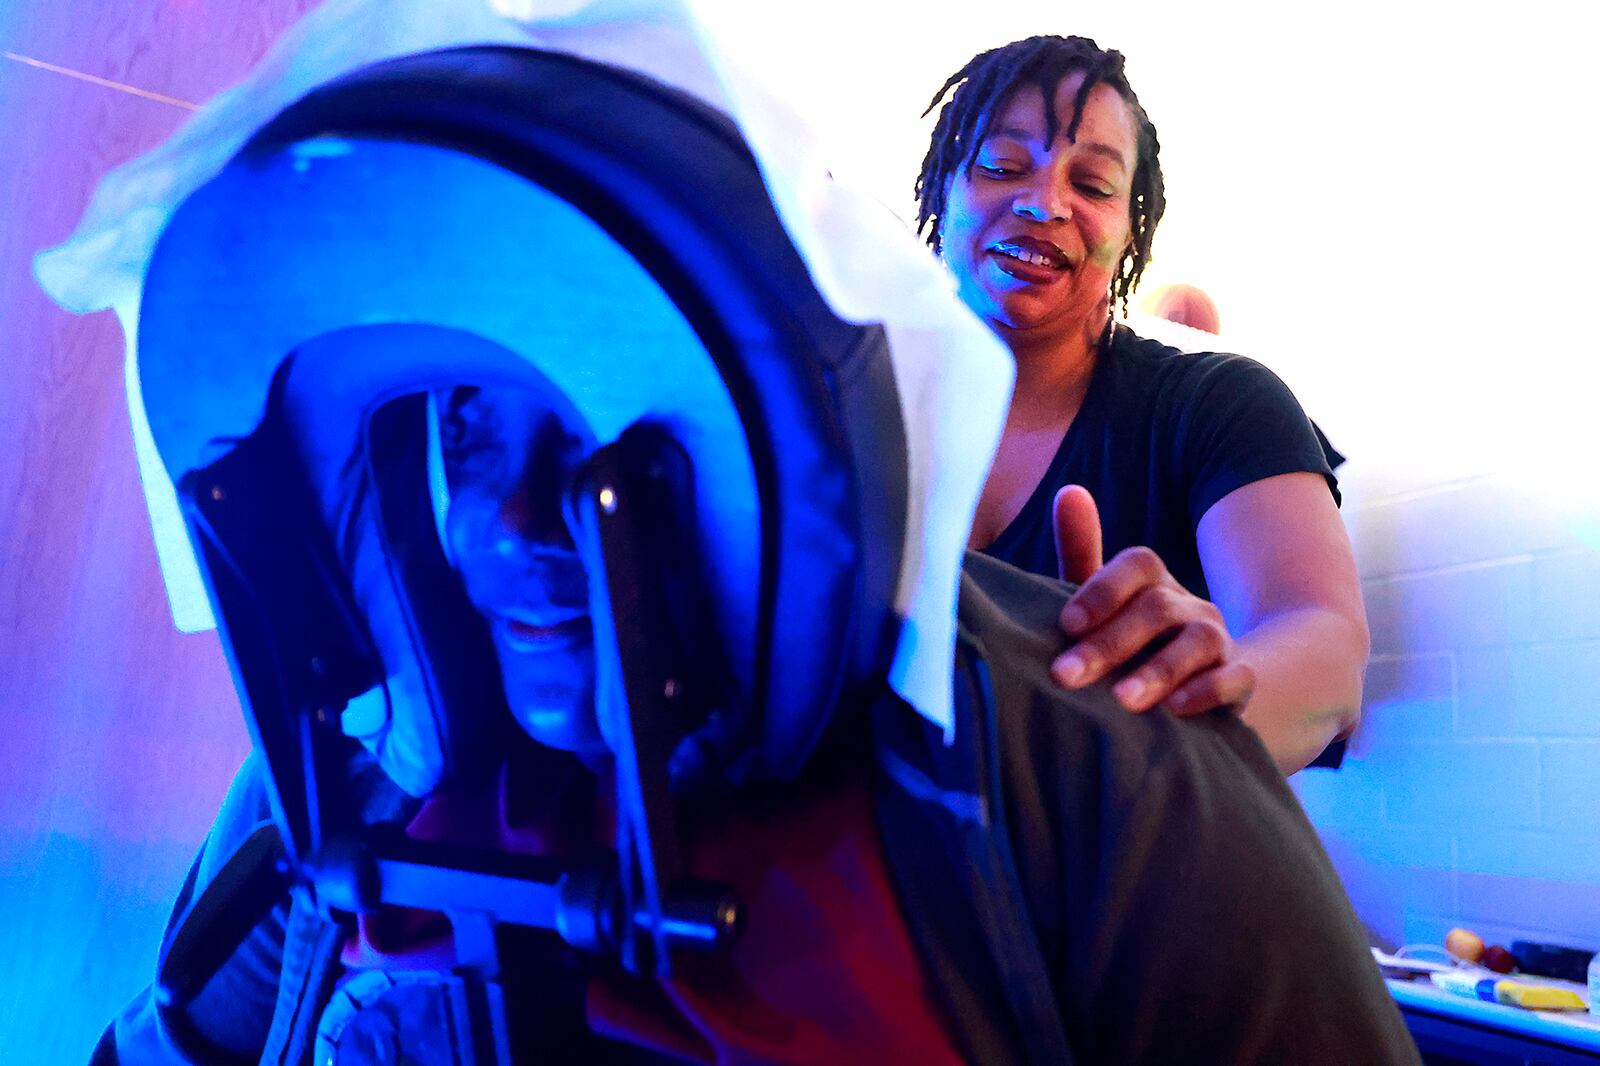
{"points": [[1286, 637]]}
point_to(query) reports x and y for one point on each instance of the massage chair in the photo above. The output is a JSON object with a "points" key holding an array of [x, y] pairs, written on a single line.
{"points": [[500, 216]]}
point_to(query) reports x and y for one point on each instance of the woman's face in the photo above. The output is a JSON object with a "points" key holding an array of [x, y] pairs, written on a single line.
{"points": [[508, 459], [1034, 232]]}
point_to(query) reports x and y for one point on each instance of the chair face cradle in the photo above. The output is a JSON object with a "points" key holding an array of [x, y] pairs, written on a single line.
{"points": [[503, 217]]}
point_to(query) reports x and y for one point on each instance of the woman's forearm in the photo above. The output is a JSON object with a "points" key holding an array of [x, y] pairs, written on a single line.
{"points": [[1308, 665]]}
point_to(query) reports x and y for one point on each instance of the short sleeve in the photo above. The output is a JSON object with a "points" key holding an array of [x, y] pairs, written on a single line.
{"points": [[1241, 424]]}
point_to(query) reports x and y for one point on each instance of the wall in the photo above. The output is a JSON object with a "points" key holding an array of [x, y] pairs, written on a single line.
{"points": [[119, 735], [1472, 794]]}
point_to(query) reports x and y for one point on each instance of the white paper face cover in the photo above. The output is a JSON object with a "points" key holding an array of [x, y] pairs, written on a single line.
{"points": [[953, 375]]}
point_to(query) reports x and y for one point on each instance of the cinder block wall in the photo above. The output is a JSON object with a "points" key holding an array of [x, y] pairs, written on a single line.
{"points": [[1471, 794]]}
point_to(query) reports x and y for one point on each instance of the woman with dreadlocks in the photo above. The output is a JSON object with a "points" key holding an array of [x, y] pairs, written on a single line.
{"points": [[1041, 191]]}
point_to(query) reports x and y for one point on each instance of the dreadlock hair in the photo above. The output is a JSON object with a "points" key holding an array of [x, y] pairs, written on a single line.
{"points": [[987, 81]]}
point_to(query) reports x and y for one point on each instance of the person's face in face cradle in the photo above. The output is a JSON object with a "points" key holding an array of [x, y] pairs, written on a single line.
{"points": [[1034, 232], [508, 458]]}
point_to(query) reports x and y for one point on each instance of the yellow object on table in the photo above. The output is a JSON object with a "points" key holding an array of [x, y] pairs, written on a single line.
{"points": [[1537, 997]]}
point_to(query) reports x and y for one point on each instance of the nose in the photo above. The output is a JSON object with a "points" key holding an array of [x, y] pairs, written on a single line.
{"points": [[531, 515], [484, 529], [1043, 201], [489, 530], [516, 513]]}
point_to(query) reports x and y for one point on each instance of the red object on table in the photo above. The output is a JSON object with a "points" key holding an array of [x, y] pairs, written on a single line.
{"points": [[1499, 959]]}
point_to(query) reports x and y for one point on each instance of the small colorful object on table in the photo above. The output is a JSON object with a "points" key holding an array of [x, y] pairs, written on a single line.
{"points": [[1527, 993], [1464, 944]]}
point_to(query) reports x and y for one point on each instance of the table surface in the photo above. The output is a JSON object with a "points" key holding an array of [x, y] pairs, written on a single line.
{"points": [[1569, 1028]]}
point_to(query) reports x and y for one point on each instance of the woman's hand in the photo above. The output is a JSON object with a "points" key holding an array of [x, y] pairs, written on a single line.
{"points": [[1120, 608]]}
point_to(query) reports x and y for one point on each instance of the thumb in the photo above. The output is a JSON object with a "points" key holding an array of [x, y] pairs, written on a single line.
{"points": [[1079, 551]]}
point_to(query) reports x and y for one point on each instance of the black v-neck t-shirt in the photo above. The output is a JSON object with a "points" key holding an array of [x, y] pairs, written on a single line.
{"points": [[1163, 435]]}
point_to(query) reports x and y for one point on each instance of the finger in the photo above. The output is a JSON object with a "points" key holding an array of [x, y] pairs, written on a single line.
{"points": [[1229, 685], [1156, 611], [1111, 588], [1195, 648], [1079, 550]]}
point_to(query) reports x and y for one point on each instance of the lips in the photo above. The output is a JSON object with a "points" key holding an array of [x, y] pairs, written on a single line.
{"points": [[530, 635], [1029, 259]]}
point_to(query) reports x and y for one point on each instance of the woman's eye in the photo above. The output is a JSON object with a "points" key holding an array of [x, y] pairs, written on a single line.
{"points": [[997, 170]]}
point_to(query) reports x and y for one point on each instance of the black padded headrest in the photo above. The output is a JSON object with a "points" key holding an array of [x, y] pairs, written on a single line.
{"points": [[467, 215]]}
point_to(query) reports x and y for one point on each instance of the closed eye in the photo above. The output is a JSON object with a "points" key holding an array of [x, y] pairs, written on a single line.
{"points": [[483, 465], [458, 441]]}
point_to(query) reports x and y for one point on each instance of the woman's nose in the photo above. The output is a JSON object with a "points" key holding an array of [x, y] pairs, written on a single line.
{"points": [[1043, 202]]}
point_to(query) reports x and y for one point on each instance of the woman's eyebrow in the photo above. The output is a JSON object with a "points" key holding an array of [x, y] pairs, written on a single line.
{"points": [[1110, 152], [1013, 133]]}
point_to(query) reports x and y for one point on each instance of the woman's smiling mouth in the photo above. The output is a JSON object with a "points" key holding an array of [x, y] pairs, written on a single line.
{"points": [[1029, 259]]}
